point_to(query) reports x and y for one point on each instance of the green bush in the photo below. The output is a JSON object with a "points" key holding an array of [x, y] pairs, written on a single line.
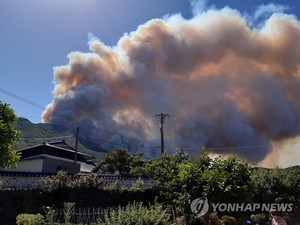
{"points": [[87, 181], [229, 220], [136, 214], [60, 180], [63, 180], [138, 185], [30, 219]]}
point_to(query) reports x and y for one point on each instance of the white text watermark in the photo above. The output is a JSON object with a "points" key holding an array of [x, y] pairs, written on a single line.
{"points": [[200, 207]]}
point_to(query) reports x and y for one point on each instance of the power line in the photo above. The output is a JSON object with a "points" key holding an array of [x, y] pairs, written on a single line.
{"points": [[29, 103], [22, 99], [61, 137]]}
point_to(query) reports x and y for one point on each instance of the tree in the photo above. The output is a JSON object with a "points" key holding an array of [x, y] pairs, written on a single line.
{"points": [[180, 181], [270, 185], [234, 180], [120, 160], [164, 173], [8, 135], [195, 175]]}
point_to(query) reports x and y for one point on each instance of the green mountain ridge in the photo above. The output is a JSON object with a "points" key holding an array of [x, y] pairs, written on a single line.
{"points": [[35, 134]]}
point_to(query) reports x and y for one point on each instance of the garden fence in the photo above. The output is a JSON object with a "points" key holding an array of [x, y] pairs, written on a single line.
{"points": [[92, 215]]}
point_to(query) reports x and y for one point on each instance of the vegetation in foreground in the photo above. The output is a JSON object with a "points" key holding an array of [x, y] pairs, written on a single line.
{"points": [[8, 135], [132, 214], [178, 181]]}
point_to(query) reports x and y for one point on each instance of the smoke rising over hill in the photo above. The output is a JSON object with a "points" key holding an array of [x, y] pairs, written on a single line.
{"points": [[214, 70]]}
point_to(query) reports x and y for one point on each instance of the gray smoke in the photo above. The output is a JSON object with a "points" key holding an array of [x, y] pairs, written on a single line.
{"points": [[225, 82]]}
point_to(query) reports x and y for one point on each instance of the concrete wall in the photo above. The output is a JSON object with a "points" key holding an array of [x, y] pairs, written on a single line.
{"points": [[26, 182], [35, 182], [52, 165], [30, 165]]}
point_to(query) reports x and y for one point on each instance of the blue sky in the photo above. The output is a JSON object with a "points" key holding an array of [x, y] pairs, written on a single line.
{"points": [[37, 35]]}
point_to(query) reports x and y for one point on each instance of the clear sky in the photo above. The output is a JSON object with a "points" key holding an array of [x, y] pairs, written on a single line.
{"points": [[37, 35]]}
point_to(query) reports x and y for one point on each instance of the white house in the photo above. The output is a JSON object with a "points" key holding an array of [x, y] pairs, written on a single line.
{"points": [[52, 157]]}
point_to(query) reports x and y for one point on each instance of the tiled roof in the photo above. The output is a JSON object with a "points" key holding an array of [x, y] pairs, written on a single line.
{"points": [[58, 149], [61, 144]]}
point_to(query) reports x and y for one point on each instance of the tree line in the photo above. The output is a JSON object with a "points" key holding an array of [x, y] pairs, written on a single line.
{"points": [[180, 180]]}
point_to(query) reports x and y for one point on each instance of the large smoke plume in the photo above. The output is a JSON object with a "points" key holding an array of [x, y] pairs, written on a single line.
{"points": [[226, 83]]}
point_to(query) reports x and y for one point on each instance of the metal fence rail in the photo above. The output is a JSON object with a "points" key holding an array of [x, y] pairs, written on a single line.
{"points": [[92, 215], [81, 215]]}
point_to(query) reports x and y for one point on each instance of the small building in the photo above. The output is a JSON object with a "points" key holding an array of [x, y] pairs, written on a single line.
{"points": [[47, 159], [52, 157]]}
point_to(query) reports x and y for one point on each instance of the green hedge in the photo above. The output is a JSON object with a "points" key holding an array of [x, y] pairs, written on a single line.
{"points": [[30, 219]]}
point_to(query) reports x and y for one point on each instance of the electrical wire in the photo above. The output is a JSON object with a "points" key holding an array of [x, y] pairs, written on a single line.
{"points": [[22, 99]]}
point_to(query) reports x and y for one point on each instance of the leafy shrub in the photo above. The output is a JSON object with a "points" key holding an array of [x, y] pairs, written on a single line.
{"points": [[1, 185], [63, 180], [116, 186], [30, 219], [136, 214], [88, 181], [60, 180], [138, 185], [229, 220]]}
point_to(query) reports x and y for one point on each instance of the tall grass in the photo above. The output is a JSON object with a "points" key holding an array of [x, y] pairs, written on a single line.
{"points": [[136, 214]]}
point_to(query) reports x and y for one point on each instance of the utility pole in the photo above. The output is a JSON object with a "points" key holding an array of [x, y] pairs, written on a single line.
{"points": [[76, 149], [162, 118]]}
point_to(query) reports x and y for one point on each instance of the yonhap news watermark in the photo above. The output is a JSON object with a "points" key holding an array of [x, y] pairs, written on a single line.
{"points": [[200, 206]]}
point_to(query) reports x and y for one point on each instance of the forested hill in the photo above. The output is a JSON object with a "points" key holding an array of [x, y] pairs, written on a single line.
{"points": [[34, 134], [40, 130]]}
